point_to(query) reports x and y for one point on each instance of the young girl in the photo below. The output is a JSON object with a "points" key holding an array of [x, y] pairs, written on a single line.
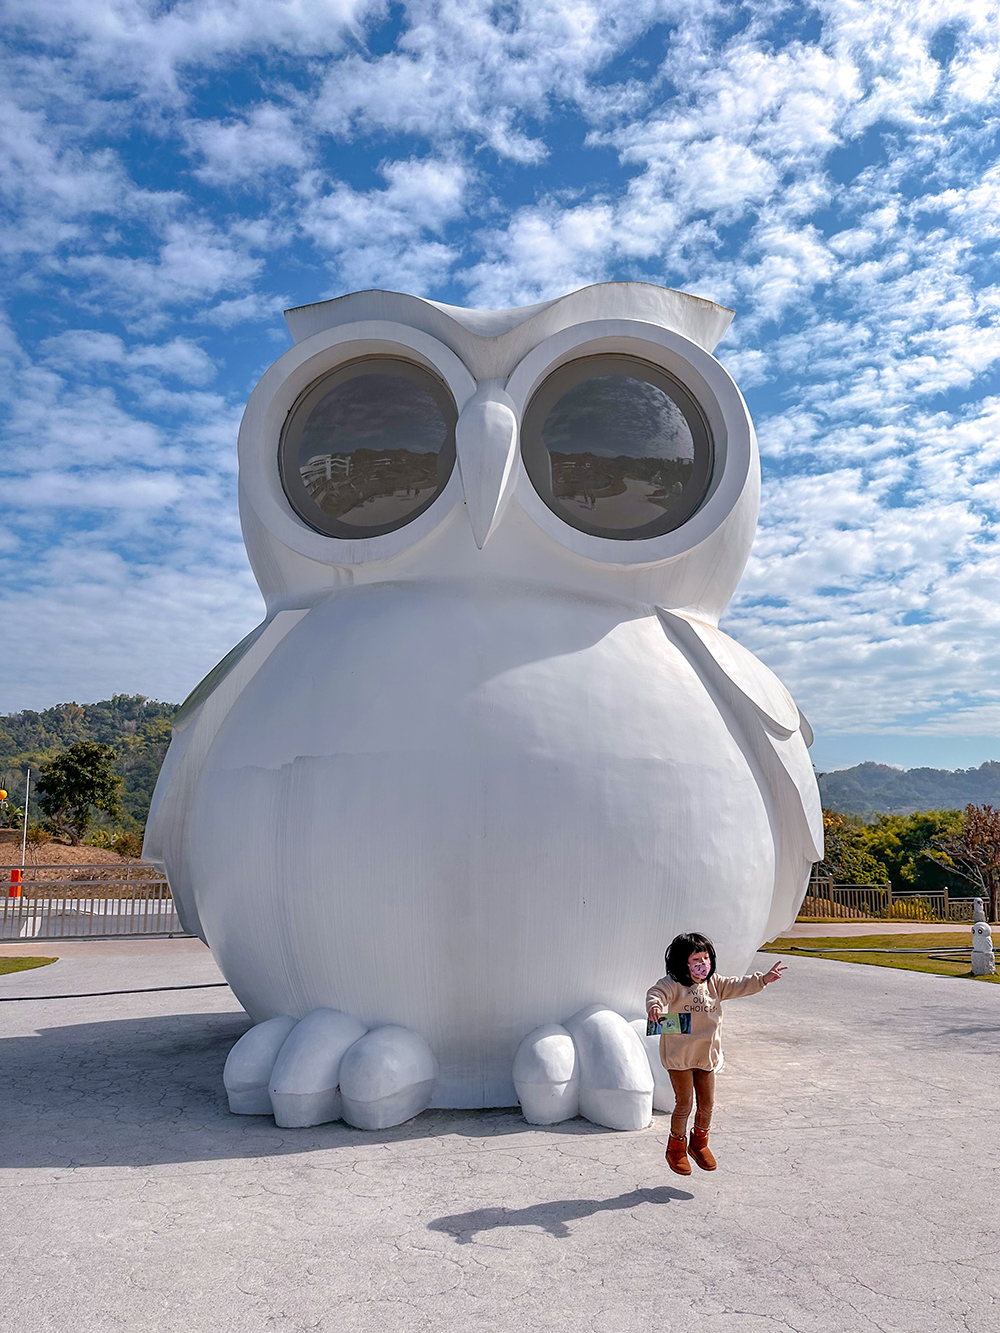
{"points": [[693, 1054]]}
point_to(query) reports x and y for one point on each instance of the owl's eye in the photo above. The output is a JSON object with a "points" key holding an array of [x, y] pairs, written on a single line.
{"points": [[368, 447], [617, 448]]}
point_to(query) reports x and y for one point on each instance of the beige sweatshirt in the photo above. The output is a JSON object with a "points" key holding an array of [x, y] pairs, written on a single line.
{"points": [[702, 1047]]}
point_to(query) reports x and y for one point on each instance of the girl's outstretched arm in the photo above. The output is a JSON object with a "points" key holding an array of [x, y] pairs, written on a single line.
{"points": [[734, 988]]}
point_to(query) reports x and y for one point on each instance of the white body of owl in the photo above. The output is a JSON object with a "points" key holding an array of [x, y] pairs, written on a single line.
{"points": [[480, 764]]}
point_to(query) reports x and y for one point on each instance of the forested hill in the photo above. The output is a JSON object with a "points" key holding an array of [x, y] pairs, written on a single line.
{"points": [[869, 789], [138, 728]]}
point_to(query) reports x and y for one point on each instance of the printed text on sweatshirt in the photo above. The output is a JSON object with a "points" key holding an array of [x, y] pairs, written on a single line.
{"points": [[702, 1047]]}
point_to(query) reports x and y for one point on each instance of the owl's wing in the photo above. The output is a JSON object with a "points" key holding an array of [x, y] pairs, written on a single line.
{"points": [[194, 729], [776, 737]]}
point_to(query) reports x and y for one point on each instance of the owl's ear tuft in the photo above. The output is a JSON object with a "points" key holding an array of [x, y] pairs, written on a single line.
{"points": [[488, 460]]}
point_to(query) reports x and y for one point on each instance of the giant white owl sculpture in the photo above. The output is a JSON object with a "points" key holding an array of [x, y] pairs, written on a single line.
{"points": [[488, 752]]}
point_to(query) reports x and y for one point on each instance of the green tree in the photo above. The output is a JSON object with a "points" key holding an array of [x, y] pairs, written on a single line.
{"points": [[847, 859], [77, 782], [906, 846], [857, 866]]}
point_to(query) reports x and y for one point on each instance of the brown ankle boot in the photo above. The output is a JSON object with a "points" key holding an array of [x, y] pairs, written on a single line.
{"points": [[700, 1150], [677, 1158]]}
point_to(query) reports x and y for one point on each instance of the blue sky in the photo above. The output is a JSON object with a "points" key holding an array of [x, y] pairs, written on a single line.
{"points": [[175, 174]]}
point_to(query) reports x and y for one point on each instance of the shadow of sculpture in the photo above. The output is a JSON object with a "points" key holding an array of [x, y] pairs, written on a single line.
{"points": [[142, 1091], [551, 1217]]}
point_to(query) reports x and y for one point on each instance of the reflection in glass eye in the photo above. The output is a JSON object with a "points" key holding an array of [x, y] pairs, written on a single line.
{"points": [[622, 452], [617, 448], [372, 447], [369, 451]]}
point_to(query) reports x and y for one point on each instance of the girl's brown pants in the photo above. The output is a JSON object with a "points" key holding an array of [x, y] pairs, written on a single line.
{"points": [[692, 1085]]}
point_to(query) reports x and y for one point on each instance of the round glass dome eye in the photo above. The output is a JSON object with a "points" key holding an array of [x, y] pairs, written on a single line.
{"points": [[617, 448], [368, 447]]}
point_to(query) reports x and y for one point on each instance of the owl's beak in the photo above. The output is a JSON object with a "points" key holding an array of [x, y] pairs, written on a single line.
{"points": [[486, 443]]}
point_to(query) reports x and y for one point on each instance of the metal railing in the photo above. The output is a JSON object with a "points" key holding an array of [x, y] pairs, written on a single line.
{"points": [[81, 902], [825, 900]]}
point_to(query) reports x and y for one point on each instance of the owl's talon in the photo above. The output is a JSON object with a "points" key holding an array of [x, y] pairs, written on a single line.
{"points": [[305, 1080], [247, 1074], [595, 1066], [547, 1076], [386, 1077], [326, 1067]]}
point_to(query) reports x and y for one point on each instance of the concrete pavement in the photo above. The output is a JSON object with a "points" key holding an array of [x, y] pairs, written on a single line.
{"points": [[857, 1189], [103, 965]]}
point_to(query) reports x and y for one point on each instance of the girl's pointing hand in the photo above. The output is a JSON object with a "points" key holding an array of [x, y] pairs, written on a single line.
{"points": [[774, 974]]}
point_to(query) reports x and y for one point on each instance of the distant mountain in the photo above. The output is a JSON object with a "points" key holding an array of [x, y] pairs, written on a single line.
{"points": [[138, 728], [869, 789]]}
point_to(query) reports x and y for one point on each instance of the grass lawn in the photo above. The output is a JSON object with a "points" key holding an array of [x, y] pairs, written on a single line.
{"points": [[891, 951], [22, 964]]}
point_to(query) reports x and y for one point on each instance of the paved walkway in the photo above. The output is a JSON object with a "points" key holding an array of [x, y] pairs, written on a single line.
{"points": [[857, 1189], [101, 965]]}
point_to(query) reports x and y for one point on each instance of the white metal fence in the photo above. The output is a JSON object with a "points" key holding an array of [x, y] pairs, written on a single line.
{"points": [[80, 902]]}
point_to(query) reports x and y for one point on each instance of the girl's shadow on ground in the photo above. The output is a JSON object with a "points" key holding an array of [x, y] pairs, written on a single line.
{"points": [[551, 1217]]}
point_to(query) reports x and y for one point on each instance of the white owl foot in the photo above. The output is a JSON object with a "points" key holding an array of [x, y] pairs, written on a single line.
{"points": [[595, 1066], [329, 1066]]}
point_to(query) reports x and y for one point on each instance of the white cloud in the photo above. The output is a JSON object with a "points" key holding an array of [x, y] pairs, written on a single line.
{"points": [[255, 307], [750, 117], [92, 628], [144, 42], [48, 424], [845, 560], [243, 150], [469, 67], [51, 183], [387, 237], [126, 489], [194, 261], [80, 348], [132, 573], [544, 251]]}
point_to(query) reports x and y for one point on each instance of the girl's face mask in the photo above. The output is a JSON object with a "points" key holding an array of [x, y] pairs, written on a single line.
{"points": [[699, 965]]}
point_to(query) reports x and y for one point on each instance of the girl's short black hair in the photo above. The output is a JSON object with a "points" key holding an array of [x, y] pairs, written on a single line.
{"points": [[681, 949]]}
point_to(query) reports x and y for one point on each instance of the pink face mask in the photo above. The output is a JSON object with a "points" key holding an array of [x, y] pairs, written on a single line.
{"points": [[699, 968]]}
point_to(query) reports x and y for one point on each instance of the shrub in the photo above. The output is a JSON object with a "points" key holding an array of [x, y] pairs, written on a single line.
{"points": [[127, 844], [910, 909], [122, 841], [101, 837]]}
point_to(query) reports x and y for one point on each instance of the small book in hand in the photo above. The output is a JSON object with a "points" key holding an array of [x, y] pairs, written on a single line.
{"points": [[669, 1023]]}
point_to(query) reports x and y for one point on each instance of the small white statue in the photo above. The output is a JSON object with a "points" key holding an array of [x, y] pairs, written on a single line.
{"points": [[983, 958]]}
